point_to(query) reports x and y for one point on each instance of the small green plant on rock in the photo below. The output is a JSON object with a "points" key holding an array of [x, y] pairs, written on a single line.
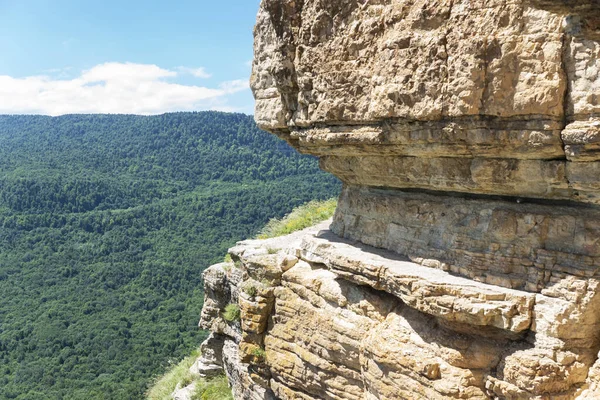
{"points": [[250, 289], [232, 313], [213, 389], [227, 258], [259, 353]]}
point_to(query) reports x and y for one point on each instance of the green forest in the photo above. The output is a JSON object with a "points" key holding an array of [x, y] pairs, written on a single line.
{"points": [[106, 224]]}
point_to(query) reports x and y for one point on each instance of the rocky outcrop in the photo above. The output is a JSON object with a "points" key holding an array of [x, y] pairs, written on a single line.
{"points": [[463, 259], [329, 318], [488, 97]]}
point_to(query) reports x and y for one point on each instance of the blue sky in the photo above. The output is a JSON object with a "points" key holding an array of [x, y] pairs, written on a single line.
{"points": [[128, 56]]}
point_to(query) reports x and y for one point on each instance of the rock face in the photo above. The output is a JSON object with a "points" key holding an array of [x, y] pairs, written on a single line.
{"points": [[463, 259], [329, 318]]}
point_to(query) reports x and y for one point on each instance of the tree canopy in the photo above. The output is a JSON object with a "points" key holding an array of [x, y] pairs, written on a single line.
{"points": [[106, 224]]}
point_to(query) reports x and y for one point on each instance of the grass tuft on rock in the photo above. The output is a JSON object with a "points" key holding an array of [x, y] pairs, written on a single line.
{"points": [[301, 217], [164, 385], [232, 313], [250, 289], [259, 353], [214, 389], [206, 389]]}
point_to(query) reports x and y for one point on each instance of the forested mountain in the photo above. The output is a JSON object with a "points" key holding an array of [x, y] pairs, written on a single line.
{"points": [[106, 223]]}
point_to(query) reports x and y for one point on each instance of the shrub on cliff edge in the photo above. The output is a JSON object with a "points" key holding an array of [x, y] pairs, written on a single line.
{"points": [[301, 217]]}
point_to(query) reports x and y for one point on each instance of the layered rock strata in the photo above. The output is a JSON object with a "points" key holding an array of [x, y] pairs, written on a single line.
{"points": [[329, 318], [462, 261]]}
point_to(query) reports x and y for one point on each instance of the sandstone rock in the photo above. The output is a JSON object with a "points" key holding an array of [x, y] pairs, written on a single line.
{"points": [[535, 371], [447, 95], [255, 310], [353, 61], [408, 356], [350, 321], [592, 389], [520, 245], [239, 376], [220, 352], [463, 259], [315, 344], [428, 290], [221, 283], [210, 363]]}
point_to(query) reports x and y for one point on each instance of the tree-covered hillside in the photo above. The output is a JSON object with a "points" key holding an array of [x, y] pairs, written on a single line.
{"points": [[106, 223]]}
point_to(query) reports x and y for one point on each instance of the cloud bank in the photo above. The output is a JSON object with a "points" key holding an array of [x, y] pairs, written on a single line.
{"points": [[123, 88]]}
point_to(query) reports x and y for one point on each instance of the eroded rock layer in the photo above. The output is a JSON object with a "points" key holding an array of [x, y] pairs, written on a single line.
{"points": [[491, 97], [520, 245], [329, 318], [463, 259]]}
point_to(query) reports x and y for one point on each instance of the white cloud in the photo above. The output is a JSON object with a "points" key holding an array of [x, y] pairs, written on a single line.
{"points": [[111, 88], [235, 86], [128, 72], [197, 72]]}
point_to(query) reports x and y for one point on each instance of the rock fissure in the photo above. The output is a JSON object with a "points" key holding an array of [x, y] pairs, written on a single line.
{"points": [[486, 84]]}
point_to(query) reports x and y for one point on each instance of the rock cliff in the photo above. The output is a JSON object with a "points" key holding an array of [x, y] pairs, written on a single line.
{"points": [[463, 259]]}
